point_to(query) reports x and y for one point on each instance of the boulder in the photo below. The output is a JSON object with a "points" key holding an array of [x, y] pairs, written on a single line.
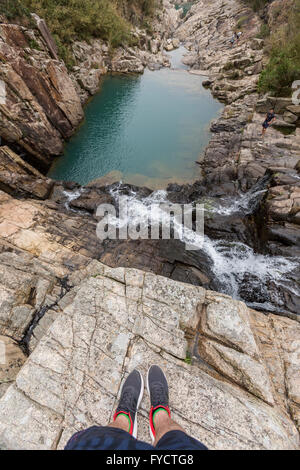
{"points": [[169, 47], [90, 200], [257, 44], [263, 105], [290, 117], [281, 123], [280, 104], [294, 109]]}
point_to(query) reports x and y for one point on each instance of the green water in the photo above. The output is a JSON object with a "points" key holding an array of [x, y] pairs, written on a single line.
{"points": [[145, 127]]}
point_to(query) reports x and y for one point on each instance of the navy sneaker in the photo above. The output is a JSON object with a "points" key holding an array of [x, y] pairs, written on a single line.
{"points": [[130, 400], [158, 390]]}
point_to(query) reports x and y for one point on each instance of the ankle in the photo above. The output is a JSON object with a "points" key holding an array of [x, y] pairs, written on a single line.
{"points": [[160, 417]]}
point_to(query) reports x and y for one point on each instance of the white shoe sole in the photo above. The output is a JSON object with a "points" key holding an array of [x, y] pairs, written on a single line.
{"points": [[150, 430], [135, 425]]}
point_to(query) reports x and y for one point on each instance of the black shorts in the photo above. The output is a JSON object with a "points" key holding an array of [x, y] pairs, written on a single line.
{"points": [[265, 125], [107, 438]]}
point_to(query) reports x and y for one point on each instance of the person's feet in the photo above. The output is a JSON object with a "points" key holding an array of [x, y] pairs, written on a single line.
{"points": [[131, 397], [159, 396]]}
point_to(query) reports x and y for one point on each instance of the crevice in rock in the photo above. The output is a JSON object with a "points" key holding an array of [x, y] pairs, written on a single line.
{"points": [[39, 314], [57, 440]]}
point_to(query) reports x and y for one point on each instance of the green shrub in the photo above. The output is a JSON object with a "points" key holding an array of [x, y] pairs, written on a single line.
{"points": [[64, 52], [33, 44], [279, 74], [284, 64], [264, 31]]}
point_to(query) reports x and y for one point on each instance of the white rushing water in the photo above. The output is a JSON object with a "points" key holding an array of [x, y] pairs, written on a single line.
{"points": [[243, 203], [233, 263]]}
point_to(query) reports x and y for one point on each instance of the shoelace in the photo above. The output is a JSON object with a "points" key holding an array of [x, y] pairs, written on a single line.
{"points": [[127, 401], [158, 394]]}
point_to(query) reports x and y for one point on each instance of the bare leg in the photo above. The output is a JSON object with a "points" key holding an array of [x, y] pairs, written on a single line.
{"points": [[120, 423], [164, 424]]}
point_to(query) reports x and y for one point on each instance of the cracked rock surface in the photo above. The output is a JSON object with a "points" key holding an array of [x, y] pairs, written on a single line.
{"points": [[119, 319]]}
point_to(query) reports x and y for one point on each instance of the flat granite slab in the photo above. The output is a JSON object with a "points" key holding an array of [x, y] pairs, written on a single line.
{"points": [[119, 319]]}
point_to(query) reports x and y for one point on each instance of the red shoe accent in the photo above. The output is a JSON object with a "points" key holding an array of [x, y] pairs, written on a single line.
{"points": [[127, 414], [151, 416]]}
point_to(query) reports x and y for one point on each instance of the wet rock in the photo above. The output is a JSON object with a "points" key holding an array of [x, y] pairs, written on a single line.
{"points": [[294, 109], [287, 234], [169, 46], [207, 83], [253, 292], [234, 227], [280, 123], [128, 190], [190, 60], [90, 200], [154, 67]]}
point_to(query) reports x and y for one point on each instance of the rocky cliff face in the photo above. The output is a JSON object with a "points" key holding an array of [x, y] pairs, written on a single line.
{"points": [[42, 107], [44, 101]]}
